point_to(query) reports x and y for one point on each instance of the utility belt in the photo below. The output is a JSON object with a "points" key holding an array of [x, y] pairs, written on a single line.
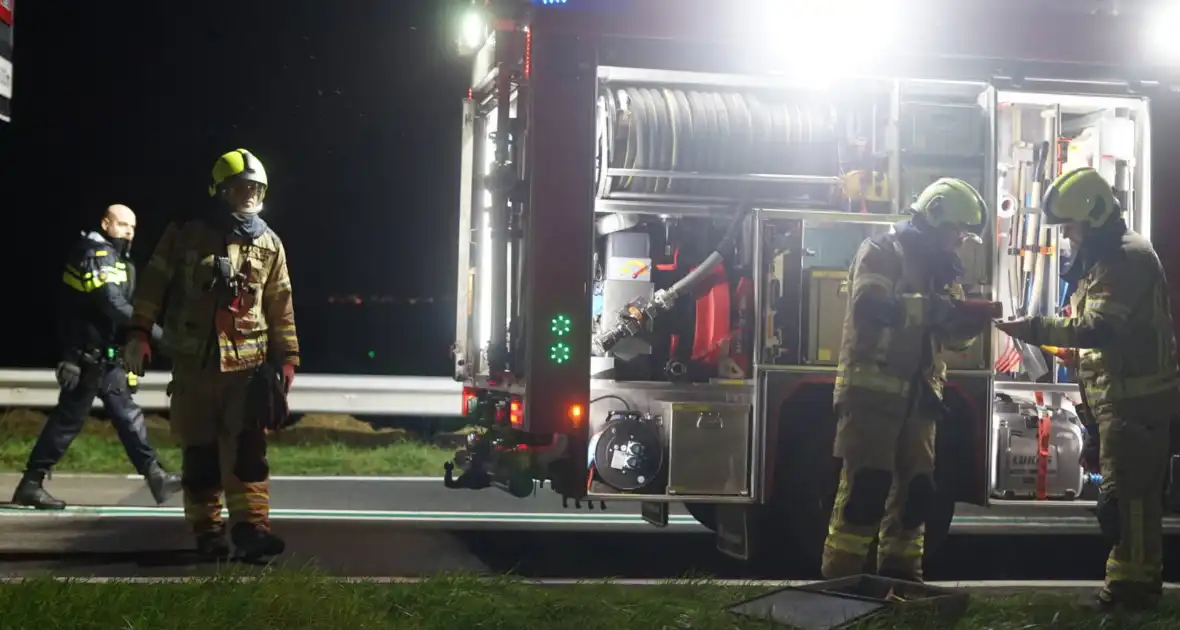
{"points": [[109, 356]]}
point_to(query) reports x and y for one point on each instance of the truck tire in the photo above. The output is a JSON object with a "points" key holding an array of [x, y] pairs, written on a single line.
{"points": [[805, 480], [704, 513]]}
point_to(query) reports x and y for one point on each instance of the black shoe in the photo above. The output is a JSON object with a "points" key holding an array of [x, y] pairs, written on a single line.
{"points": [[31, 493], [1122, 597], [254, 544], [212, 546], [162, 484]]}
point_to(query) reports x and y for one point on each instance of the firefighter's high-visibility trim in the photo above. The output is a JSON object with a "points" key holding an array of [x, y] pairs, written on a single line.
{"points": [[1136, 387], [901, 548], [869, 279], [868, 378], [1124, 571], [848, 543]]}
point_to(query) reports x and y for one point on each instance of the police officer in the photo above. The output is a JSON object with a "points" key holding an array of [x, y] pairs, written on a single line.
{"points": [[230, 331], [1120, 324], [905, 306], [95, 310]]}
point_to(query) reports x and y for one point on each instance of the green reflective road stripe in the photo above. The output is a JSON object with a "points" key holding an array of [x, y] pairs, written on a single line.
{"points": [[472, 517], [475, 517]]}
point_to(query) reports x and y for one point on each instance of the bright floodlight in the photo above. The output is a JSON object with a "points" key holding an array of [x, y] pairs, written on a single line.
{"points": [[817, 41], [472, 30], [1164, 37]]}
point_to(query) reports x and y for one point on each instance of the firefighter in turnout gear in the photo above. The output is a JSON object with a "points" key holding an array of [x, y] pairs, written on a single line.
{"points": [[1120, 324], [93, 315], [229, 328], [905, 307]]}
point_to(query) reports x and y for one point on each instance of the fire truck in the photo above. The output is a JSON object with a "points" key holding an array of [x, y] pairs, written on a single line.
{"points": [[660, 201]]}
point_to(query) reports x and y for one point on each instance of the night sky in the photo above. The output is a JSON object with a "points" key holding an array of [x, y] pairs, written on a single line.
{"points": [[354, 107]]}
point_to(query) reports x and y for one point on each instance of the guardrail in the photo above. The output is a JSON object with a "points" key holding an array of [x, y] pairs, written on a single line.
{"points": [[312, 393]]}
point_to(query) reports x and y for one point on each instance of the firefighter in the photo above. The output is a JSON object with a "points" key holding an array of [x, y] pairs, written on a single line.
{"points": [[95, 310], [905, 306], [229, 329], [1120, 324]]}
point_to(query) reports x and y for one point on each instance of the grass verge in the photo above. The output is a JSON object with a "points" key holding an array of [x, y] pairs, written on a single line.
{"points": [[317, 445], [296, 600]]}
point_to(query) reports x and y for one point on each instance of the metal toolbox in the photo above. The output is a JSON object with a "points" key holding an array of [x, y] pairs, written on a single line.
{"points": [[708, 448], [827, 299]]}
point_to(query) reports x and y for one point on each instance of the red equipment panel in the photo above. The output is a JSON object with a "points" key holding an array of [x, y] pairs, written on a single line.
{"points": [[558, 277]]}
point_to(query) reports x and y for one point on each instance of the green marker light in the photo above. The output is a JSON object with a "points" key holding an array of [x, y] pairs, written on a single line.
{"points": [[559, 352], [560, 325]]}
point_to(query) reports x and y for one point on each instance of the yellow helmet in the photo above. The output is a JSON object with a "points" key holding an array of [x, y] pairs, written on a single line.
{"points": [[952, 202], [238, 164], [1081, 195]]}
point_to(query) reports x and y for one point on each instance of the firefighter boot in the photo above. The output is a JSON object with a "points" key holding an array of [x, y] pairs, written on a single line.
{"points": [[254, 544], [212, 546], [162, 484], [30, 492], [1127, 596]]}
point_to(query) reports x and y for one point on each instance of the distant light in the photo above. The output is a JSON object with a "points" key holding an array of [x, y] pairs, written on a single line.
{"points": [[550, 1], [372, 355]]}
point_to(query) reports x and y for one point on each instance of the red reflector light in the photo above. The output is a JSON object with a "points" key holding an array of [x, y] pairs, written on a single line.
{"points": [[469, 395], [575, 414], [516, 412]]}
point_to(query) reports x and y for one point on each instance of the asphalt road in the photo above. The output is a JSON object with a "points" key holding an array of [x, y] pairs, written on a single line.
{"points": [[424, 502], [352, 527]]}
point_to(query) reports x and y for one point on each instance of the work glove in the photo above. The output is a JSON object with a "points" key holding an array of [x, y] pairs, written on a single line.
{"points": [[288, 377], [68, 374], [137, 352], [1022, 329]]}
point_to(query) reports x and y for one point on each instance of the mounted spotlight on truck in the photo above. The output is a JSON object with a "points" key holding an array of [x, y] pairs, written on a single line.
{"points": [[660, 200]]}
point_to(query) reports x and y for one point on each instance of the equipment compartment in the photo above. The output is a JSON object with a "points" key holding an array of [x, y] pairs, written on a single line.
{"points": [[709, 448]]}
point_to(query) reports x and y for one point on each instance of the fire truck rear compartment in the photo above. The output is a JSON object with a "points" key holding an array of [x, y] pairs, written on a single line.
{"points": [[719, 396]]}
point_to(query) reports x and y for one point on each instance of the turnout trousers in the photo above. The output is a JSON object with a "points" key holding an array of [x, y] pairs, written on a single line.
{"points": [[1134, 455], [223, 450], [106, 381], [886, 489]]}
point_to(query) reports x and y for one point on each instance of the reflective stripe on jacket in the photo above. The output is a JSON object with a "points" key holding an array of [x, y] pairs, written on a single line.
{"points": [[888, 345], [199, 325], [1121, 323]]}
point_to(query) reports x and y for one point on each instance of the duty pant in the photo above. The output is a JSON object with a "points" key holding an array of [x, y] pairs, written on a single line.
{"points": [[223, 452], [886, 489], [1134, 454], [108, 383]]}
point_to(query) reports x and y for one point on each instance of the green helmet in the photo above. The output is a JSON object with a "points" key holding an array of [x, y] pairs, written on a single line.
{"points": [[1081, 195], [237, 165], [952, 202]]}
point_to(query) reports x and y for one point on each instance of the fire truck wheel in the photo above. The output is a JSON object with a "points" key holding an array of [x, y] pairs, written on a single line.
{"points": [[704, 513]]}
